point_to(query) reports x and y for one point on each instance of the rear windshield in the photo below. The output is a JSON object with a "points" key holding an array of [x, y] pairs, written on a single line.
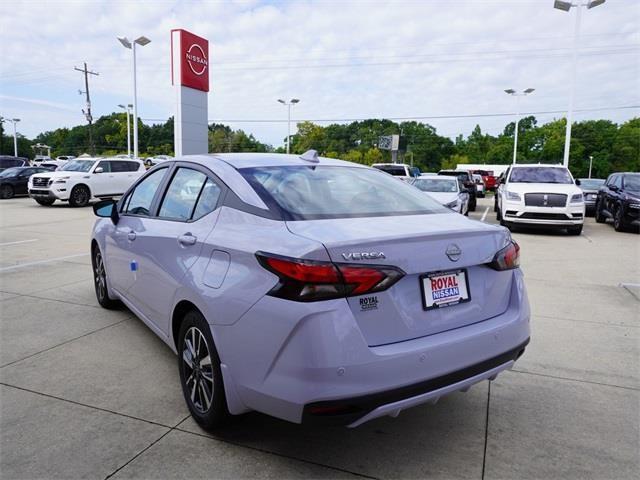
{"points": [[540, 175], [395, 170], [436, 184], [591, 183], [321, 192]]}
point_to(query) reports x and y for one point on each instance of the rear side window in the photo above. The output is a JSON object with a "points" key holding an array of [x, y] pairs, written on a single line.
{"points": [[183, 194], [138, 202], [119, 166]]}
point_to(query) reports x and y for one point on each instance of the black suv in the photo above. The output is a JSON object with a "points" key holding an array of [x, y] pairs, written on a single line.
{"points": [[469, 184], [619, 198]]}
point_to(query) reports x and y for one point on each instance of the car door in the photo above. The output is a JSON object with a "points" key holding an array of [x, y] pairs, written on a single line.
{"points": [[101, 181], [167, 244], [133, 209], [20, 186], [613, 193]]}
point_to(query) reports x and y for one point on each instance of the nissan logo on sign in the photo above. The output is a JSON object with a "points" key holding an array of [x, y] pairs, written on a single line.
{"points": [[193, 55], [197, 59]]}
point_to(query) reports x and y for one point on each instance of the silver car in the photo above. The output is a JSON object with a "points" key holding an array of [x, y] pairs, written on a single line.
{"points": [[309, 289]]}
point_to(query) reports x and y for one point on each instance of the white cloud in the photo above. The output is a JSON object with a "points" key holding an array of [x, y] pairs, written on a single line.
{"points": [[422, 58]]}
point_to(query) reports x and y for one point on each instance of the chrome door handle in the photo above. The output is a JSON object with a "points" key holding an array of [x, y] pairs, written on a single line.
{"points": [[187, 239], [131, 235]]}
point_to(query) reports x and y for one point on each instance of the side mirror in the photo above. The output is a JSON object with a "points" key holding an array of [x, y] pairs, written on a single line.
{"points": [[578, 181], [107, 209], [98, 170], [613, 188]]}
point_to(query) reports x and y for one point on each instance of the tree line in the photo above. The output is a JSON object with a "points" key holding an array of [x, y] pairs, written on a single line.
{"points": [[614, 147]]}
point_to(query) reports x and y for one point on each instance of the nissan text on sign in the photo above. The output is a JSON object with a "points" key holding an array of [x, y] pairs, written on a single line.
{"points": [[190, 77]]}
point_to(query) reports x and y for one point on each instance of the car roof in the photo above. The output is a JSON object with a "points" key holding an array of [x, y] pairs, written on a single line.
{"points": [[252, 160]]}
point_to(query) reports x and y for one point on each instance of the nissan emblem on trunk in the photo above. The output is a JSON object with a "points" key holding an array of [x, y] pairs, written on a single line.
{"points": [[453, 252]]}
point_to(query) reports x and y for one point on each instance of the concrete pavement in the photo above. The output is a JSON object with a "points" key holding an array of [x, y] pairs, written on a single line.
{"points": [[86, 392]]}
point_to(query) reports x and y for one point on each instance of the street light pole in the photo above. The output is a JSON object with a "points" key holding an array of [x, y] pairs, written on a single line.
{"points": [[288, 104], [590, 164], [126, 43], [15, 133], [566, 6], [128, 109], [513, 93]]}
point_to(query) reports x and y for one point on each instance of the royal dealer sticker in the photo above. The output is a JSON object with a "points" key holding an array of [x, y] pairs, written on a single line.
{"points": [[368, 303]]}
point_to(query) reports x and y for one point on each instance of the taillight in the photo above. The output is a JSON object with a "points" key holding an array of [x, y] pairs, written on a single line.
{"points": [[309, 281], [508, 258]]}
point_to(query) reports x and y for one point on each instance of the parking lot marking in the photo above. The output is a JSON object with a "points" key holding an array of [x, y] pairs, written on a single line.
{"points": [[41, 262], [18, 242], [484, 215]]}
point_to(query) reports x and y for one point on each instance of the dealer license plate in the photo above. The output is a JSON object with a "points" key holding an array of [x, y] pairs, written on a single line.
{"points": [[443, 289]]}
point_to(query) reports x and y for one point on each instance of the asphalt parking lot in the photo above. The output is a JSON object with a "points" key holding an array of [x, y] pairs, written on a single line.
{"points": [[86, 392]]}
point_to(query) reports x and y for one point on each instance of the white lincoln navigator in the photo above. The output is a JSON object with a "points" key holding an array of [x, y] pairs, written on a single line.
{"points": [[543, 195]]}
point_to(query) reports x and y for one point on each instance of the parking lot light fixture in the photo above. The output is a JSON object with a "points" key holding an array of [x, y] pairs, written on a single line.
{"points": [[566, 6], [128, 109], [288, 104], [513, 93], [126, 43]]}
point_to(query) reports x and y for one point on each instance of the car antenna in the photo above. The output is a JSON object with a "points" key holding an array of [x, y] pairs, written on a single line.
{"points": [[310, 156]]}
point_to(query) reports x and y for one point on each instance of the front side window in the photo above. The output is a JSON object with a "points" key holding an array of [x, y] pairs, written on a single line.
{"points": [[138, 202], [632, 183], [540, 175], [105, 166], [319, 192], [78, 166], [182, 195]]}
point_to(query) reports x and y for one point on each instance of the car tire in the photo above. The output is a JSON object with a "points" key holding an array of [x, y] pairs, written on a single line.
{"points": [[499, 215], [6, 192], [204, 377], [575, 230], [80, 196], [618, 220], [100, 280], [45, 202], [599, 216]]}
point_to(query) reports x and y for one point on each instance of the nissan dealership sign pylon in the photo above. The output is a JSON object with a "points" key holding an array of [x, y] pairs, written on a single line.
{"points": [[190, 78]]}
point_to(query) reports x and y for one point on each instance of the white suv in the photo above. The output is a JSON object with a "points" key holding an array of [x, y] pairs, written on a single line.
{"points": [[543, 195], [80, 180]]}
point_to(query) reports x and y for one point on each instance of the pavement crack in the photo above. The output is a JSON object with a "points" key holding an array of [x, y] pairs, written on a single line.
{"points": [[139, 453], [65, 342], [575, 380], [277, 454], [486, 431]]}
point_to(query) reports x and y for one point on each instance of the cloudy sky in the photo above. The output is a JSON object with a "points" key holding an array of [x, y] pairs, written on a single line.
{"points": [[423, 59]]}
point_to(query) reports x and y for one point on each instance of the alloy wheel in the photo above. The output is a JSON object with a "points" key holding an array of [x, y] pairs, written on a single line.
{"points": [[80, 196], [198, 371], [100, 277]]}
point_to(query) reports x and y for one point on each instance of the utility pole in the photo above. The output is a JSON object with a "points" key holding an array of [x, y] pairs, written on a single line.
{"points": [[87, 112]]}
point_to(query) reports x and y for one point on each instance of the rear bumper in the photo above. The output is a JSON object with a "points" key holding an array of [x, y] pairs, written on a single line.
{"points": [[320, 358], [359, 410]]}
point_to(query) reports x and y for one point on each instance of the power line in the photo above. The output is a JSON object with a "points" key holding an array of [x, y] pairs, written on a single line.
{"points": [[418, 117]]}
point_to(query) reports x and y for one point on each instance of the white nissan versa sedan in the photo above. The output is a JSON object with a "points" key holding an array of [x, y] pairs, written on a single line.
{"points": [[308, 288], [540, 195]]}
